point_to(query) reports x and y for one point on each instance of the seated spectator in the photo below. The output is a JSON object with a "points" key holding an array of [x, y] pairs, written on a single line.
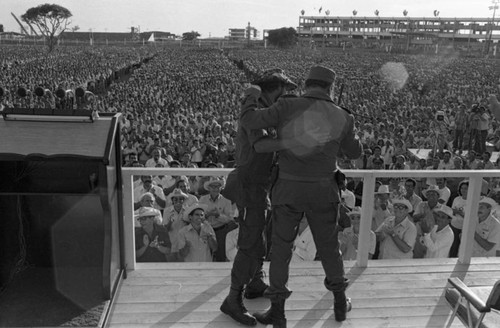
{"points": [[152, 243], [487, 235], [349, 237], [219, 214], [397, 234], [196, 241], [436, 237], [304, 248], [446, 163]]}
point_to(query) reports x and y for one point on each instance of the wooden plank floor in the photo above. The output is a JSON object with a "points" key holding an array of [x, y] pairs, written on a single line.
{"points": [[388, 293]]}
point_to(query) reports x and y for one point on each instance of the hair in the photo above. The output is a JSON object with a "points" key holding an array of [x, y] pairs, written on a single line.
{"points": [[413, 181], [317, 83]]}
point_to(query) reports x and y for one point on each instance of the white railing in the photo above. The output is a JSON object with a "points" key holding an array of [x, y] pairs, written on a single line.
{"points": [[475, 183]]}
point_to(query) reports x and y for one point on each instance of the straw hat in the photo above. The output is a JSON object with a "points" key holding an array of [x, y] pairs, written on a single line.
{"points": [[193, 207]]}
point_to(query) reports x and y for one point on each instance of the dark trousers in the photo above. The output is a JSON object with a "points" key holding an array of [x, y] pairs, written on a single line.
{"points": [[322, 219], [251, 247], [458, 141], [456, 241]]}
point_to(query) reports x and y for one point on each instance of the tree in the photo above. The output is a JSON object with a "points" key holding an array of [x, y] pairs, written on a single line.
{"points": [[405, 12], [302, 12], [354, 12], [50, 19], [75, 28], [377, 12], [436, 13], [283, 37], [189, 36]]}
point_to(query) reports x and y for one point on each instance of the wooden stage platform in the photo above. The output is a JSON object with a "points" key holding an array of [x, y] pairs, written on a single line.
{"points": [[388, 293]]}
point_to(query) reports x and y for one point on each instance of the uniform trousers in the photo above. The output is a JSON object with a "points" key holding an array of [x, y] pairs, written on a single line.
{"points": [[251, 246], [322, 219]]}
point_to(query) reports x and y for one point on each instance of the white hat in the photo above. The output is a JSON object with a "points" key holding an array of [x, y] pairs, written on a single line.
{"points": [[403, 201], [383, 189], [431, 188], [445, 209], [489, 201], [177, 193], [147, 211], [355, 211], [214, 181], [193, 207]]}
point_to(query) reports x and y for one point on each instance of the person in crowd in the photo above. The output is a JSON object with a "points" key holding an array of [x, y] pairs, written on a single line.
{"points": [[184, 186], [446, 163], [460, 128], [383, 206], [410, 195], [424, 209], [173, 215], [219, 214], [487, 234], [152, 242], [304, 248], [156, 159], [196, 241], [146, 185], [436, 237], [397, 234], [232, 245], [147, 200], [444, 191], [349, 237], [305, 184], [457, 222]]}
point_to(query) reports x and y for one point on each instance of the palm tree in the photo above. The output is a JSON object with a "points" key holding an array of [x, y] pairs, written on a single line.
{"points": [[354, 12], [327, 12], [377, 12], [405, 12], [436, 13], [302, 12]]}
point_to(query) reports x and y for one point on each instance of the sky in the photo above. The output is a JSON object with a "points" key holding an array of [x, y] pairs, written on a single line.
{"points": [[214, 18]]}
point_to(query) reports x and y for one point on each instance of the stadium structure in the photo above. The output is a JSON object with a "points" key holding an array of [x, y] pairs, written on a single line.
{"points": [[406, 30]]}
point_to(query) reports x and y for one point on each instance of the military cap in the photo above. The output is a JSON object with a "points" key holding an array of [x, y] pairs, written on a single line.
{"points": [[275, 75], [321, 73]]}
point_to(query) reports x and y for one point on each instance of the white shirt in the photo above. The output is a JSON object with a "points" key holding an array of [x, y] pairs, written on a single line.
{"points": [[351, 249], [152, 163], [232, 244], [445, 194], [489, 229], [349, 198], [458, 203], [304, 248], [438, 243]]}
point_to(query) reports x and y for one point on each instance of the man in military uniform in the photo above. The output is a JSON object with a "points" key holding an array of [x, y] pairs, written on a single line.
{"points": [[306, 184], [249, 191]]}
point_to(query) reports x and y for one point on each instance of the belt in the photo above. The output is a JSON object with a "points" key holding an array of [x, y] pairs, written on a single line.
{"points": [[292, 177], [220, 227]]}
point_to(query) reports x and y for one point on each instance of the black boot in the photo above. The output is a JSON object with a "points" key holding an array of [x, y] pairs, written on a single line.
{"points": [[274, 316], [255, 288], [233, 307], [341, 305]]}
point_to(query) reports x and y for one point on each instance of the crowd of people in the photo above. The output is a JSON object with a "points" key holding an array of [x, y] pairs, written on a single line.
{"points": [[180, 108]]}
